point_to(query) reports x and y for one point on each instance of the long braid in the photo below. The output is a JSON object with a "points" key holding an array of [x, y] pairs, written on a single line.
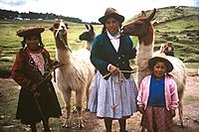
{"points": [[103, 29], [23, 44], [40, 42]]}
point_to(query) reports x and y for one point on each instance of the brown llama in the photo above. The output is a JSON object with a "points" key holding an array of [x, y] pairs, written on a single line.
{"points": [[143, 29], [88, 36], [75, 74]]}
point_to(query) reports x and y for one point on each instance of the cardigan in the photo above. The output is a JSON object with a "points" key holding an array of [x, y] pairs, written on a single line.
{"points": [[25, 72], [103, 53], [171, 95]]}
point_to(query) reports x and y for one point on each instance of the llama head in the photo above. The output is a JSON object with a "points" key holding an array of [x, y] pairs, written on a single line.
{"points": [[89, 34], [168, 49], [59, 30], [140, 27]]}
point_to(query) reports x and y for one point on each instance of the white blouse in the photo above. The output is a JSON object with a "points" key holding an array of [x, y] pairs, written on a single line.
{"points": [[115, 40]]}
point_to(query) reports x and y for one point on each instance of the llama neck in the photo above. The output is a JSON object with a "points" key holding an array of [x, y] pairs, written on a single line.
{"points": [[145, 52], [60, 44], [63, 54], [147, 38], [146, 44], [88, 45]]}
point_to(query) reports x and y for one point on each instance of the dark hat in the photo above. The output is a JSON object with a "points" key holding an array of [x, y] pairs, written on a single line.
{"points": [[111, 12], [160, 57], [30, 30]]}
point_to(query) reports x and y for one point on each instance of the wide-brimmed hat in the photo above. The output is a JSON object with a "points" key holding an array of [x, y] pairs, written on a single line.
{"points": [[30, 30], [160, 57], [111, 12]]}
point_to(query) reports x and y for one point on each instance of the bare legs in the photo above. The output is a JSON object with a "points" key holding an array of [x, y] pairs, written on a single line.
{"points": [[45, 124], [122, 123], [33, 127], [108, 124]]}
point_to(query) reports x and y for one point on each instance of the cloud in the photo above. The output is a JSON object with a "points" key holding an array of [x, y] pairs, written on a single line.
{"points": [[13, 2], [197, 3]]}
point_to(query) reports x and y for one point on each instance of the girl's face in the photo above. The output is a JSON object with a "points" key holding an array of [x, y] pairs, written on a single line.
{"points": [[32, 42], [112, 25], [159, 69]]}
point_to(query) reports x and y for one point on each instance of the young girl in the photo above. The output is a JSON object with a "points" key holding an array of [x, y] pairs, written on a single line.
{"points": [[32, 71], [113, 95], [157, 97]]}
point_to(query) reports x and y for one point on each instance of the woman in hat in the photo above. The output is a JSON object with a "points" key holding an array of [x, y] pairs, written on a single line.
{"points": [[113, 94], [157, 97], [32, 71]]}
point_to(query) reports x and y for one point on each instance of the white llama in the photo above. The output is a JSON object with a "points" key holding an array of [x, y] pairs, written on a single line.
{"points": [[75, 74]]}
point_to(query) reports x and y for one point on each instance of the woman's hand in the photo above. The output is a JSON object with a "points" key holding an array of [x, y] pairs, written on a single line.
{"points": [[113, 69], [56, 64]]}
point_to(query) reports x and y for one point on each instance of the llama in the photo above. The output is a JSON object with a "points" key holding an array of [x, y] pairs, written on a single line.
{"points": [[88, 36], [75, 74], [143, 29]]}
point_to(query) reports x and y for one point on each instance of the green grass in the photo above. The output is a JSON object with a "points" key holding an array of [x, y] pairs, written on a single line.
{"points": [[183, 33], [10, 43]]}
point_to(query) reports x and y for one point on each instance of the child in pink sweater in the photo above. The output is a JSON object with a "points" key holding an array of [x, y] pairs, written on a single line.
{"points": [[158, 97]]}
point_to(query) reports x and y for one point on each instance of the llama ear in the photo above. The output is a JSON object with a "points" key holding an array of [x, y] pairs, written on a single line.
{"points": [[87, 27], [152, 15], [51, 29], [66, 24], [91, 27]]}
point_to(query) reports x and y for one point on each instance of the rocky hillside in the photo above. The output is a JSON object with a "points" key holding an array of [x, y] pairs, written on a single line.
{"points": [[179, 25]]}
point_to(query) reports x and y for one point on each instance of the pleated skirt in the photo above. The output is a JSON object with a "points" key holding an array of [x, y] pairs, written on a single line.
{"points": [[114, 98], [157, 119]]}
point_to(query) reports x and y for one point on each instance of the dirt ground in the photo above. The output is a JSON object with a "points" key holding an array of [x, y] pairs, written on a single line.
{"points": [[190, 110], [190, 106]]}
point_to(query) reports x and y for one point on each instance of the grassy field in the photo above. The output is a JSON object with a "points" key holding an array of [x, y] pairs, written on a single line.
{"points": [[180, 26], [10, 43]]}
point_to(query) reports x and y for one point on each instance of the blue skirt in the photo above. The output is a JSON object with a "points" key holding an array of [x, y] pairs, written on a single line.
{"points": [[114, 98]]}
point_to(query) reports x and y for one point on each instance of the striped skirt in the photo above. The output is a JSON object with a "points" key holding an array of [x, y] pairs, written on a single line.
{"points": [[114, 98], [157, 119]]}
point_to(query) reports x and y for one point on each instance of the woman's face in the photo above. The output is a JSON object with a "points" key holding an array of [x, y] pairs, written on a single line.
{"points": [[112, 25], [159, 69], [32, 42]]}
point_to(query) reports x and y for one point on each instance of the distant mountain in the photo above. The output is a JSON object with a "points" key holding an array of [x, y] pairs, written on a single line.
{"points": [[171, 13], [180, 26], [8, 14]]}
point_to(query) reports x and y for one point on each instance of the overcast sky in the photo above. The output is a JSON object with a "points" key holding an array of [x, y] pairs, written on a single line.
{"points": [[90, 10]]}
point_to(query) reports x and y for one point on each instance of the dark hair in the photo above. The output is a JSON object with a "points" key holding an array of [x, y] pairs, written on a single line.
{"points": [[23, 43]]}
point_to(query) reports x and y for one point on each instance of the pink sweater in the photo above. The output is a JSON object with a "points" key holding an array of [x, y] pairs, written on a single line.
{"points": [[171, 95]]}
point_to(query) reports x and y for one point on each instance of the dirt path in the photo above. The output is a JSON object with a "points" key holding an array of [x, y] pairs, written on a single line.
{"points": [[191, 114], [92, 124]]}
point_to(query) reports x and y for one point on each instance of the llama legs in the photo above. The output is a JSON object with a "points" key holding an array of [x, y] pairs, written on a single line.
{"points": [[181, 114], [67, 98], [79, 103]]}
